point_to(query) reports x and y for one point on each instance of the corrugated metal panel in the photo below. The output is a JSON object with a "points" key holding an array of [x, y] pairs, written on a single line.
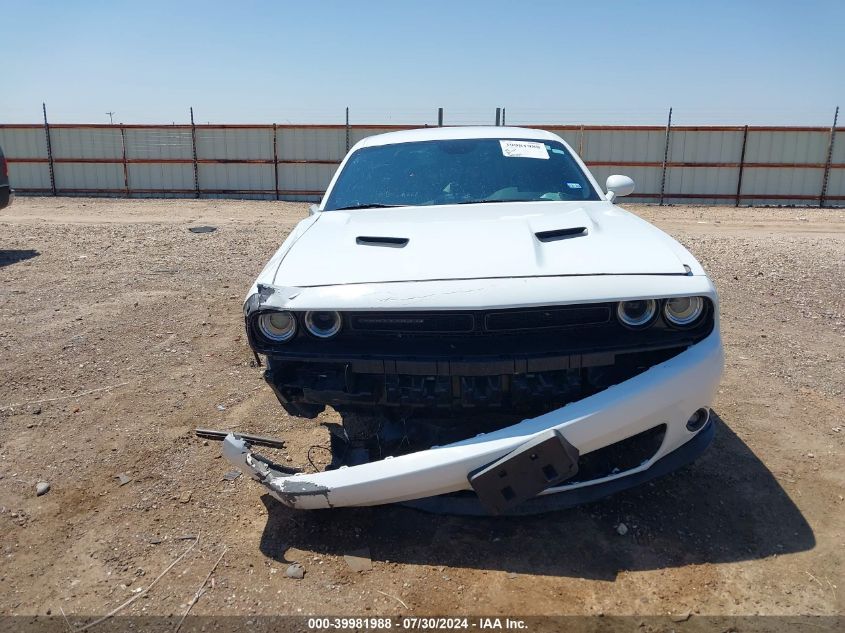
{"points": [[611, 148], [236, 177], [839, 146], [23, 143], [86, 143], [614, 145], [785, 181], [161, 142], [161, 176], [786, 147], [29, 175], [305, 177], [311, 144], [701, 180], [88, 176], [705, 147], [836, 184], [245, 144]]}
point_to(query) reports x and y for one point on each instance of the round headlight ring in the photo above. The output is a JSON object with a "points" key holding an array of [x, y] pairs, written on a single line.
{"points": [[683, 311], [277, 327], [323, 323], [638, 313]]}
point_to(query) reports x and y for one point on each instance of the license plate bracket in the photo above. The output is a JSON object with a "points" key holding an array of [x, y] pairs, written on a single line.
{"points": [[546, 460]]}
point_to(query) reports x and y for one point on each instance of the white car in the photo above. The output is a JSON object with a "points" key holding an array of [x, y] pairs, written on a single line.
{"points": [[496, 334]]}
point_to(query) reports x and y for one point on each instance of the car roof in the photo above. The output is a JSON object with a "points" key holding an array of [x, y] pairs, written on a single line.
{"points": [[453, 133]]}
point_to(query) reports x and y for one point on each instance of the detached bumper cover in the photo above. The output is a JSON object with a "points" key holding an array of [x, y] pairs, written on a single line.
{"points": [[667, 393]]}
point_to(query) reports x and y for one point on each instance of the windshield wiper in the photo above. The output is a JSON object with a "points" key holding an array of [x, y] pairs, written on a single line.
{"points": [[497, 200], [371, 205]]}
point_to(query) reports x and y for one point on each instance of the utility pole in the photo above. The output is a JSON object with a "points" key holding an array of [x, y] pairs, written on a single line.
{"points": [[111, 117]]}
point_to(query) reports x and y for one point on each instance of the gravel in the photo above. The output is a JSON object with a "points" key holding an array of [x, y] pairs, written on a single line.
{"points": [[125, 331]]}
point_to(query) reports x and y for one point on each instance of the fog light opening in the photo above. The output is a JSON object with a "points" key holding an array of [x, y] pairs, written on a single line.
{"points": [[698, 419]]}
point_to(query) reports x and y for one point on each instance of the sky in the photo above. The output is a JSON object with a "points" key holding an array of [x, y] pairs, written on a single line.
{"points": [[591, 62]]}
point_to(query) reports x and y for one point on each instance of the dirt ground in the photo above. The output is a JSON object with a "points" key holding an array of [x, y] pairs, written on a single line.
{"points": [[121, 331]]}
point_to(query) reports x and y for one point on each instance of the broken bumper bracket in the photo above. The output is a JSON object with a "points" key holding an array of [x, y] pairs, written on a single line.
{"points": [[545, 461]]}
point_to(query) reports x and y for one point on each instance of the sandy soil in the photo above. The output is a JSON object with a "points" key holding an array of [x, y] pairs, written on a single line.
{"points": [[120, 332]]}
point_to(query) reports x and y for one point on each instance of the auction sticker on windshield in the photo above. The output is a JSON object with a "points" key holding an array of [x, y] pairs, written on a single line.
{"points": [[524, 149]]}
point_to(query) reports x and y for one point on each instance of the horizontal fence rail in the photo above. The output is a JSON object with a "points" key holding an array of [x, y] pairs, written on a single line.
{"points": [[707, 164]]}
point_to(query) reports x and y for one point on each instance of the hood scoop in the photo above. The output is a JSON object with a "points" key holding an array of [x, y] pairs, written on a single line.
{"points": [[391, 242], [561, 234]]}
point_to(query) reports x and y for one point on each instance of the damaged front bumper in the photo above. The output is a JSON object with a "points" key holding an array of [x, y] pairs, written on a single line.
{"points": [[664, 396]]}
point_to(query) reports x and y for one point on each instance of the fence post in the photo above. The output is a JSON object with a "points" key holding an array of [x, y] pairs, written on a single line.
{"points": [[503, 117], [49, 149], [829, 157], [741, 166], [665, 157], [347, 129], [194, 148], [439, 117], [275, 160], [498, 117], [581, 142], [125, 164]]}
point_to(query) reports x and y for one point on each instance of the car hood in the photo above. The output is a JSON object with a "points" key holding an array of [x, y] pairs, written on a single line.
{"points": [[477, 241]]}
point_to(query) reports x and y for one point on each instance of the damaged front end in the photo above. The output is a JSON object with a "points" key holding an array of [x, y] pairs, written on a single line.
{"points": [[456, 408]]}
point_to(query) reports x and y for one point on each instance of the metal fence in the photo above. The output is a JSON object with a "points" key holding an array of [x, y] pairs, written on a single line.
{"points": [[745, 165]]}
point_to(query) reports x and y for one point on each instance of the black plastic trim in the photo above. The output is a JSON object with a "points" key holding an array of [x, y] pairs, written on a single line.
{"points": [[561, 234], [391, 242]]}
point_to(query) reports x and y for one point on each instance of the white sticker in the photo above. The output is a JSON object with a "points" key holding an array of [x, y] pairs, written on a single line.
{"points": [[524, 149], [573, 185]]}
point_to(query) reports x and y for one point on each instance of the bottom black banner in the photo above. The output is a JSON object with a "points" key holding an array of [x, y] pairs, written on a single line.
{"points": [[685, 623]]}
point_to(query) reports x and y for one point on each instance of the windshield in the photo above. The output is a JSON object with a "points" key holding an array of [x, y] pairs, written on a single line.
{"points": [[459, 172]]}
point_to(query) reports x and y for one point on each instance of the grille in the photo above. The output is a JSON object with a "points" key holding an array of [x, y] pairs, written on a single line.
{"points": [[478, 322], [545, 318]]}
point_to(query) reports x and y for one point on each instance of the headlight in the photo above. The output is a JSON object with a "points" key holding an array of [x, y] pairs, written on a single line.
{"points": [[277, 326], [637, 314], [323, 323], [683, 311]]}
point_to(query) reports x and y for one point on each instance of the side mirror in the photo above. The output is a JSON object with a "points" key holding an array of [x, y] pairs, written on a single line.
{"points": [[618, 186], [314, 209]]}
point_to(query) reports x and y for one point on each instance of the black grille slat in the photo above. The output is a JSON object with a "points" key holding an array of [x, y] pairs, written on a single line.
{"points": [[412, 323], [545, 318]]}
